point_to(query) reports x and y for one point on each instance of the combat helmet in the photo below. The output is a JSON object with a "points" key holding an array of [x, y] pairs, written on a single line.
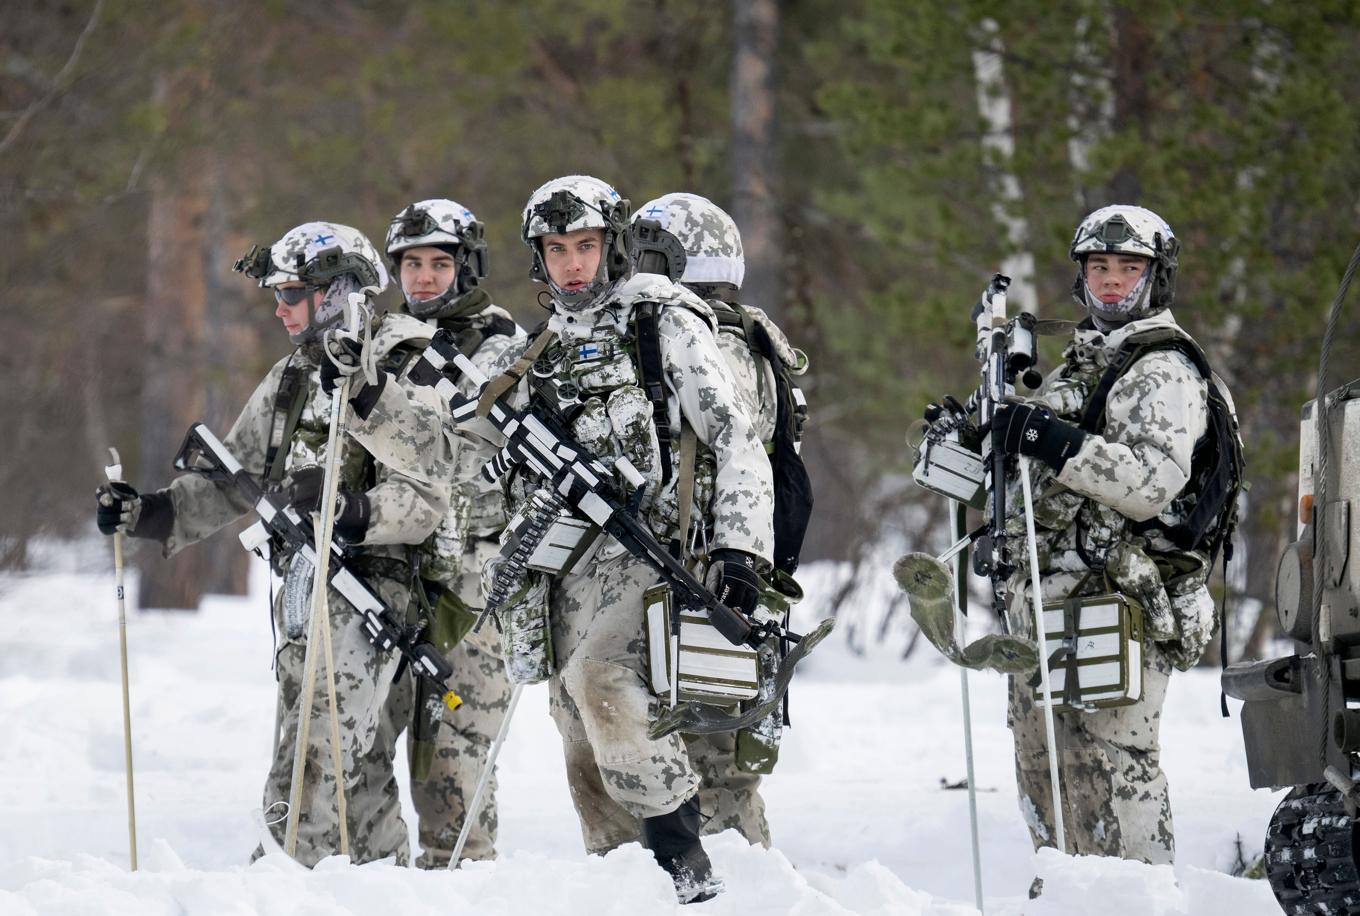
{"points": [[449, 226], [578, 202], [1126, 229], [339, 259], [712, 261]]}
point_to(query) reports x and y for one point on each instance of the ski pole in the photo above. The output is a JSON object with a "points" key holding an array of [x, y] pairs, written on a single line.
{"points": [[957, 512], [320, 622], [1040, 637], [114, 473], [475, 807]]}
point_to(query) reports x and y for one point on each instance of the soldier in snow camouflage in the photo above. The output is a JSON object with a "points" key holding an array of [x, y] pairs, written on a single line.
{"points": [[576, 228], [394, 468], [437, 250], [1103, 508]]}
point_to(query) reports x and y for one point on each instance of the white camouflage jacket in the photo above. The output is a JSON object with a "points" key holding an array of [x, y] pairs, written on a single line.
{"points": [[701, 391], [404, 432]]}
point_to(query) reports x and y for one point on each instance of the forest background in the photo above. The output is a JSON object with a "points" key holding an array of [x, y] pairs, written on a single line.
{"points": [[882, 157]]}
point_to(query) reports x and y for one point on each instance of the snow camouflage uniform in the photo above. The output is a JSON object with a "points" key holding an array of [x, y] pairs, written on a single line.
{"points": [[599, 695], [407, 495], [729, 795], [445, 770], [1115, 794], [453, 556]]}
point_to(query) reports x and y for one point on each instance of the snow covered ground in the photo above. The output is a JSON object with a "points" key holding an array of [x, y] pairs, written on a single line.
{"points": [[861, 819]]}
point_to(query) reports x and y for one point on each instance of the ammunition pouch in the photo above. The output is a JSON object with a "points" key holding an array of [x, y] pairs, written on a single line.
{"points": [[1094, 648], [526, 629], [694, 662]]}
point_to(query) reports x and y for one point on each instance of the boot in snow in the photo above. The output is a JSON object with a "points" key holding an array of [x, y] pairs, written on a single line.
{"points": [[674, 840]]}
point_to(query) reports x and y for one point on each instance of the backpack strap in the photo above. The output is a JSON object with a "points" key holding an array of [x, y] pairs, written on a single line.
{"points": [[684, 486], [648, 337], [470, 334], [792, 486], [289, 401], [1129, 352]]}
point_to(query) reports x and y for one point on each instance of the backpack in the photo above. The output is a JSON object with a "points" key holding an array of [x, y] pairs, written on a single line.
{"points": [[792, 487], [1217, 464]]}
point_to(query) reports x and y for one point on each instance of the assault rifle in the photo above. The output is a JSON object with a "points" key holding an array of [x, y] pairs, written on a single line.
{"points": [[587, 486], [204, 454]]}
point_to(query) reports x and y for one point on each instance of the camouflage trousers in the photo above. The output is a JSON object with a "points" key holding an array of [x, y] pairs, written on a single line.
{"points": [[602, 705], [363, 677], [1115, 800], [461, 744], [729, 798]]}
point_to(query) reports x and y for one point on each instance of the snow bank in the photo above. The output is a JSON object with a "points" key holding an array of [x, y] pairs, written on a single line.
{"points": [[860, 814]]}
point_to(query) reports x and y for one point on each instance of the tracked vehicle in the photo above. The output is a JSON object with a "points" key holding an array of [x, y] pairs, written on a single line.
{"points": [[1301, 712]]}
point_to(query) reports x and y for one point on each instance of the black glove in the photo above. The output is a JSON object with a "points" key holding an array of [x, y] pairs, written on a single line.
{"points": [[352, 510], [1032, 430], [120, 508], [339, 358], [732, 577], [117, 507]]}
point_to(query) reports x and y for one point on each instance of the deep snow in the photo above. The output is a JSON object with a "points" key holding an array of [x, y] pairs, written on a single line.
{"points": [[861, 821]]}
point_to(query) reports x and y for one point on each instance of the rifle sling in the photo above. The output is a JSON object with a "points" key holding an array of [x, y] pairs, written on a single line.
{"points": [[510, 377]]}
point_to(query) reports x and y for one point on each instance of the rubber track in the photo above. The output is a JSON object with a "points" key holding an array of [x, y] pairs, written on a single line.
{"points": [[1310, 853]]}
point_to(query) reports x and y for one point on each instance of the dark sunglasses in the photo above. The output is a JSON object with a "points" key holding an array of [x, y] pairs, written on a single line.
{"points": [[292, 295]]}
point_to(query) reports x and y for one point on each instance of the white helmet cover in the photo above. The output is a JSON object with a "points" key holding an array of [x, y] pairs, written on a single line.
{"points": [[440, 222], [1130, 230], [318, 254], [710, 237], [568, 204]]}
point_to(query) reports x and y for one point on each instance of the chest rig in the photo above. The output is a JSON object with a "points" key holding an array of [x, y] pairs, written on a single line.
{"points": [[300, 425], [608, 389]]}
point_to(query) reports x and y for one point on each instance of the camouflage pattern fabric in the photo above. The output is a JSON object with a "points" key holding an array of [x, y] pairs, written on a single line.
{"points": [[362, 683], [454, 556], [1115, 799], [599, 638], [1115, 794], [462, 742], [729, 798], [601, 702], [407, 497]]}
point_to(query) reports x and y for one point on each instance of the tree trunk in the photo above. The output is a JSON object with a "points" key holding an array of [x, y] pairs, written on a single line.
{"points": [[994, 105], [755, 151], [181, 350]]}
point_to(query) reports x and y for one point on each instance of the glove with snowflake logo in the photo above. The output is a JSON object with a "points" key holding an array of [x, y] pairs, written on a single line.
{"points": [[1032, 430]]}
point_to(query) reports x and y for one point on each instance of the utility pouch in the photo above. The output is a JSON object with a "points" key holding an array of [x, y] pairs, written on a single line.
{"points": [[697, 664], [450, 620], [758, 746], [1095, 652], [568, 545], [429, 715], [526, 633]]}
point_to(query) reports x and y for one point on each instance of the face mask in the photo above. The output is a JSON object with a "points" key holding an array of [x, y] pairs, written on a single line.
{"points": [[1133, 305], [329, 311]]}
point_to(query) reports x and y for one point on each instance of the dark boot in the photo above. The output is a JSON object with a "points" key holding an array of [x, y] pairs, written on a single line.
{"points": [[674, 840]]}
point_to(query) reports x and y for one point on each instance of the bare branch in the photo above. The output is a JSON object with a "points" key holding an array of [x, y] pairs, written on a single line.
{"points": [[58, 83]]}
